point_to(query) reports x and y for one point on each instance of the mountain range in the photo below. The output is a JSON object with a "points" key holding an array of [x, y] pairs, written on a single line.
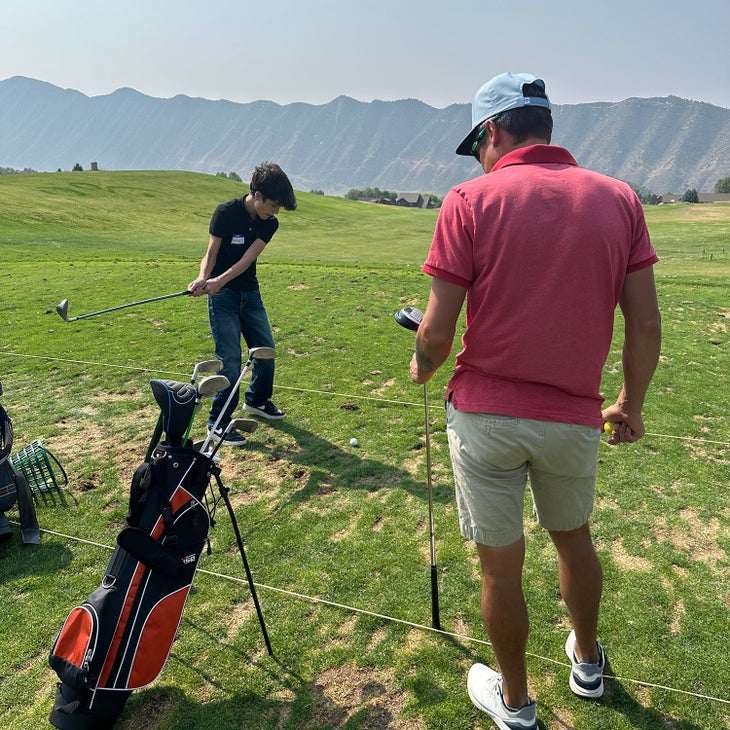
{"points": [[662, 144]]}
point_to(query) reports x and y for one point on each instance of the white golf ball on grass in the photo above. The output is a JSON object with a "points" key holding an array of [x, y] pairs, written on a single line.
{"points": [[354, 442]]}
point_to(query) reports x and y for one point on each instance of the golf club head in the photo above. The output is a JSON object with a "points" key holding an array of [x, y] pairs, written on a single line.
{"points": [[207, 366], [62, 309], [198, 445], [212, 384], [409, 317], [262, 353], [247, 425]]}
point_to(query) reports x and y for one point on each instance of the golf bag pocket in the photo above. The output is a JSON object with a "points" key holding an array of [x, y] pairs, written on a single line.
{"points": [[74, 646]]}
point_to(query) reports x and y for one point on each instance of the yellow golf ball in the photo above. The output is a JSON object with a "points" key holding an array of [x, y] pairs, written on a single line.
{"points": [[608, 427]]}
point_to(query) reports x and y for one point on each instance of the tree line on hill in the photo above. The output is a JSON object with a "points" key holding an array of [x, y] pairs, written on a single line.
{"points": [[722, 186]]}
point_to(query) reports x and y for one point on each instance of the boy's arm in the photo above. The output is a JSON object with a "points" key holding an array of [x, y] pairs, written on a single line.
{"points": [[204, 285], [197, 286]]}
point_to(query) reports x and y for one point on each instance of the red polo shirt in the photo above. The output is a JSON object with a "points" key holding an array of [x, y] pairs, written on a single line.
{"points": [[543, 247]]}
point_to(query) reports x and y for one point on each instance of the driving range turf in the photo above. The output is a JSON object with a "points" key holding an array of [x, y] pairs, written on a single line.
{"points": [[337, 536]]}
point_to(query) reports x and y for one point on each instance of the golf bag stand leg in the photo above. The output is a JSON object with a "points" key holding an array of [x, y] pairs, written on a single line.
{"points": [[224, 494]]}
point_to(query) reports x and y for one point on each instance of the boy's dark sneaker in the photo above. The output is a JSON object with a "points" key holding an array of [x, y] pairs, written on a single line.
{"points": [[267, 410], [233, 438]]}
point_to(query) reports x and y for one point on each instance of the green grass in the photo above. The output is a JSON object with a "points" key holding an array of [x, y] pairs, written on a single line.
{"points": [[323, 519]]}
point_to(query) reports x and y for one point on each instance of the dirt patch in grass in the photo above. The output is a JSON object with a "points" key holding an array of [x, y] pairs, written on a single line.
{"points": [[347, 691], [694, 535], [626, 560]]}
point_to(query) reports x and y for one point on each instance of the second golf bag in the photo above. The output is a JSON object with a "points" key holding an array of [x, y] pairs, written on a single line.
{"points": [[14, 488], [119, 638]]}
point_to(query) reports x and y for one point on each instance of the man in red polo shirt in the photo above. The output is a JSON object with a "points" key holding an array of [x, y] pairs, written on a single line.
{"points": [[543, 251]]}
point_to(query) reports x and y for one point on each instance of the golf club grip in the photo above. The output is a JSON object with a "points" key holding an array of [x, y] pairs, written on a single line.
{"points": [[435, 619]]}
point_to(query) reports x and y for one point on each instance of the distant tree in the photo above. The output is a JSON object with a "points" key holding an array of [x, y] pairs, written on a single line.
{"points": [[13, 171], [77, 168], [317, 192], [691, 196], [723, 185], [646, 196], [234, 176], [221, 174], [371, 194]]}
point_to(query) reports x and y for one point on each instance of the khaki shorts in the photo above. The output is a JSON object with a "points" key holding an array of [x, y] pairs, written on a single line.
{"points": [[492, 458]]}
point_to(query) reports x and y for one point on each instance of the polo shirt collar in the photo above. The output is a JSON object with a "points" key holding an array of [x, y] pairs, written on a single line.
{"points": [[536, 154]]}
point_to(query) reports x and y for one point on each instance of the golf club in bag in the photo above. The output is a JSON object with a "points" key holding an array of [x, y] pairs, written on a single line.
{"points": [[255, 353], [14, 488], [119, 638], [410, 318], [62, 306], [206, 366]]}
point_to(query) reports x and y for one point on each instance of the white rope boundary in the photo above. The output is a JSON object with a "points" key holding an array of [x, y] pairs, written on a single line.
{"points": [[309, 390], [403, 622], [354, 609]]}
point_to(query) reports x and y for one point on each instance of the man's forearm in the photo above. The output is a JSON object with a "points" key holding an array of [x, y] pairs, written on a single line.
{"points": [[639, 358], [429, 357]]}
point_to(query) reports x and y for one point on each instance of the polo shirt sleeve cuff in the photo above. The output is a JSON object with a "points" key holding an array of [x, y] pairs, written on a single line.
{"points": [[445, 275], [643, 264]]}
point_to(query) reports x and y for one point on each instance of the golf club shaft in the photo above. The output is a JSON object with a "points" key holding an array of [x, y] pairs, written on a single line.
{"points": [[131, 304], [211, 431], [435, 619]]}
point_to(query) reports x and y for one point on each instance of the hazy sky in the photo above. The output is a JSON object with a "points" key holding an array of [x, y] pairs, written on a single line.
{"points": [[438, 51]]}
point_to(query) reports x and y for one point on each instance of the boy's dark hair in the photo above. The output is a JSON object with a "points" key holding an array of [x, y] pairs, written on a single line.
{"points": [[527, 121], [273, 184]]}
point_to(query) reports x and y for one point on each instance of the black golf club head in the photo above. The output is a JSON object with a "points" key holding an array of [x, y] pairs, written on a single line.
{"points": [[62, 309], [409, 317]]}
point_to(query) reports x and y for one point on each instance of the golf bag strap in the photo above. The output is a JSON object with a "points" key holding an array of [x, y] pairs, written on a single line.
{"points": [[149, 551], [6, 434], [29, 529]]}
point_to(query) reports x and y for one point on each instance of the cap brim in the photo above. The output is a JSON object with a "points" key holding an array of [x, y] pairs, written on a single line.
{"points": [[465, 146]]}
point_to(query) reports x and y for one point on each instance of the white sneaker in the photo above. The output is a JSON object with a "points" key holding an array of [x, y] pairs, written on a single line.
{"points": [[586, 678], [485, 691]]}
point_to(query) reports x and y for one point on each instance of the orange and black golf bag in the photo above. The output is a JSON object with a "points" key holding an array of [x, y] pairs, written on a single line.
{"points": [[119, 638]]}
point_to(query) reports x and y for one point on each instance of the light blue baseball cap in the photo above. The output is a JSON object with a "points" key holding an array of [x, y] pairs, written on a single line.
{"points": [[500, 94]]}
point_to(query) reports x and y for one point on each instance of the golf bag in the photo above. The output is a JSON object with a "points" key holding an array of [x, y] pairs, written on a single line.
{"points": [[119, 638], [14, 488]]}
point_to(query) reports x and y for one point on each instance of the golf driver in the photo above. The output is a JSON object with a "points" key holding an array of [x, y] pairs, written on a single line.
{"points": [[62, 306], [410, 318], [255, 353], [206, 366]]}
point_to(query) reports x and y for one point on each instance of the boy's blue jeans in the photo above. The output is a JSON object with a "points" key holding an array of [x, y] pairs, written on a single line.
{"points": [[232, 315]]}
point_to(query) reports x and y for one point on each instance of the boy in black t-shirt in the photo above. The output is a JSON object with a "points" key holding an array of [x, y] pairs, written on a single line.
{"points": [[239, 231]]}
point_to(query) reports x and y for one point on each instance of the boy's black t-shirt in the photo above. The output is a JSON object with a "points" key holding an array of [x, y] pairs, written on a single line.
{"points": [[237, 230]]}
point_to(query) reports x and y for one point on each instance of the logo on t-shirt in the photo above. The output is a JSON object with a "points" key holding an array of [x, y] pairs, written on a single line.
{"points": [[238, 239]]}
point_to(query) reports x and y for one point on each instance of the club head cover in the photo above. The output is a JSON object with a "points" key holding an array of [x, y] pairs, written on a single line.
{"points": [[177, 402]]}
